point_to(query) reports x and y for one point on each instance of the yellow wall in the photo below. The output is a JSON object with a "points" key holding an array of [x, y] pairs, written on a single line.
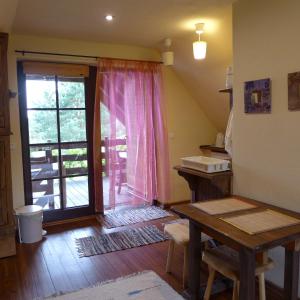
{"points": [[187, 124], [266, 147]]}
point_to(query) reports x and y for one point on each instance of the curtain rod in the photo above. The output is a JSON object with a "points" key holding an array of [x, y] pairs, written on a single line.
{"points": [[23, 52]]}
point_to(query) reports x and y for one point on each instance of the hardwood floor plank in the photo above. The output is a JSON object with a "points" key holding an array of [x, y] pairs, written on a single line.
{"points": [[56, 266], [72, 268], [53, 265], [40, 273]]}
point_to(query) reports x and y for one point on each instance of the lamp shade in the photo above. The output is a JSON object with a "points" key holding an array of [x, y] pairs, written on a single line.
{"points": [[168, 58], [199, 49]]}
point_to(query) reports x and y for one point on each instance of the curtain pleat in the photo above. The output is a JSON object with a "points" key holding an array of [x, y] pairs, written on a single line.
{"points": [[132, 94]]}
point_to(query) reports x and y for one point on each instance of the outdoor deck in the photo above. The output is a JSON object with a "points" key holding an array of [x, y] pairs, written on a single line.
{"points": [[78, 194]]}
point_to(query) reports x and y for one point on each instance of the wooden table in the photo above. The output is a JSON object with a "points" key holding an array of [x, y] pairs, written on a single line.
{"points": [[250, 247], [206, 186]]}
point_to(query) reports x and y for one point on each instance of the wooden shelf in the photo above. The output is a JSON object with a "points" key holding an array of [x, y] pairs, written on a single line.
{"points": [[230, 92], [213, 148], [226, 90]]}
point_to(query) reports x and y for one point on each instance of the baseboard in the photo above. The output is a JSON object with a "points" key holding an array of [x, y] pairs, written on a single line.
{"points": [[67, 221], [274, 291], [169, 204]]}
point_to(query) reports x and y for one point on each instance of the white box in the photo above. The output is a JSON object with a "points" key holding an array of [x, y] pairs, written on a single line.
{"points": [[205, 164]]}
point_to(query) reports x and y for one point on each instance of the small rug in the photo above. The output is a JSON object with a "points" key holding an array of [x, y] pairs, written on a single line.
{"points": [[143, 286], [133, 215], [120, 240]]}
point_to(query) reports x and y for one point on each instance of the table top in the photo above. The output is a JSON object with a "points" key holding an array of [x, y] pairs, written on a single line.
{"points": [[236, 238], [203, 174]]}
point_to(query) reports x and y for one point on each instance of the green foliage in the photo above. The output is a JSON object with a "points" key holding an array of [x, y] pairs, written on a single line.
{"points": [[105, 125], [71, 94], [75, 164], [43, 124]]}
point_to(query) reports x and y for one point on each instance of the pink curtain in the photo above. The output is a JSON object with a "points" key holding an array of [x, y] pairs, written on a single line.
{"points": [[132, 93]]}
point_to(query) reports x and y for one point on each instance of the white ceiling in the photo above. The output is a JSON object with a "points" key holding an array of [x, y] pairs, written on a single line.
{"points": [[7, 14], [145, 23]]}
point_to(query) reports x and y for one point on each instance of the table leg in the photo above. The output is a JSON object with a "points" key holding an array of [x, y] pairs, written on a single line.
{"points": [[291, 271], [194, 197], [195, 258], [247, 274]]}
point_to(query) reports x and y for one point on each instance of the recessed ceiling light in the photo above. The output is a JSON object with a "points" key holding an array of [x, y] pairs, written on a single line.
{"points": [[109, 17]]}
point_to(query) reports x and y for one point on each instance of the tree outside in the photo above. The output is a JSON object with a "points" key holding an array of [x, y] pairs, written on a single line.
{"points": [[43, 124], [41, 94]]}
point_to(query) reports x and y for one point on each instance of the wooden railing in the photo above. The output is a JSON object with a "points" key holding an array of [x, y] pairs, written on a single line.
{"points": [[45, 165]]}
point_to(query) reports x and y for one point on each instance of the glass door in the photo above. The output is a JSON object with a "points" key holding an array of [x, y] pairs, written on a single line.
{"points": [[57, 168]]}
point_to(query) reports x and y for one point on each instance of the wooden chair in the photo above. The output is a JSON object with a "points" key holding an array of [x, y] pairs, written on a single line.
{"points": [[42, 167], [122, 170], [226, 261], [119, 163], [179, 234]]}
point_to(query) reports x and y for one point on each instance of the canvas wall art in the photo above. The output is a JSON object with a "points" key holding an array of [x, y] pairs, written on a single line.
{"points": [[257, 94], [294, 91]]}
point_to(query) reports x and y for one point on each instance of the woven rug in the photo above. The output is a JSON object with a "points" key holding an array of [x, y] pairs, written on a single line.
{"points": [[120, 240], [133, 215], [143, 286]]}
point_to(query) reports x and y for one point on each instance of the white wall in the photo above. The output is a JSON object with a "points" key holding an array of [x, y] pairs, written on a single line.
{"points": [[188, 125], [266, 148]]}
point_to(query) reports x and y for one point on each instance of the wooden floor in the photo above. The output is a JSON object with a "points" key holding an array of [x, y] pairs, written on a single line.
{"points": [[53, 265]]}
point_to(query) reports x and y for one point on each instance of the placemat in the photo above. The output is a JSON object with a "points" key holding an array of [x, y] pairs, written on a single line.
{"points": [[222, 206], [262, 221]]}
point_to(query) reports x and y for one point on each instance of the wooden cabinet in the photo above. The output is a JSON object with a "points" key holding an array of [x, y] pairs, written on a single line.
{"points": [[7, 227], [4, 105], [206, 186]]}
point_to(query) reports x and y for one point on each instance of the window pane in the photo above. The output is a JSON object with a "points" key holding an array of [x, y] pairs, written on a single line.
{"points": [[42, 126], [74, 158], [44, 162], [46, 193], [40, 91], [71, 93], [76, 191], [72, 125]]}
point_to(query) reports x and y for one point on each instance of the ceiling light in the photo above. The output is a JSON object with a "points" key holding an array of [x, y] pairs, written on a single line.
{"points": [[199, 28], [199, 47], [109, 17], [168, 55]]}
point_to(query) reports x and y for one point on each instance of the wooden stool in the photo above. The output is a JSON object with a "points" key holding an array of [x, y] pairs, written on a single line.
{"points": [[179, 234], [226, 261]]}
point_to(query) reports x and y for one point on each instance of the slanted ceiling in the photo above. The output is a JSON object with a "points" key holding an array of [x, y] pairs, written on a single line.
{"points": [[146, 23]]}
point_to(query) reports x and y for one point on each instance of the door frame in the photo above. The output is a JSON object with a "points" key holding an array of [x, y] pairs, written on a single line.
{"points": [[67, 213]]}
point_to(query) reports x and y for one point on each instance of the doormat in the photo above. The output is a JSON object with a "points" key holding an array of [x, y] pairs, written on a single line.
{"points": [[133, 215], [120, 240]]}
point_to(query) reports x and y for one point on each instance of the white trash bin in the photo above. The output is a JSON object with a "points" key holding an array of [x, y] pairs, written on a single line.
{"points": [[30, 220]]}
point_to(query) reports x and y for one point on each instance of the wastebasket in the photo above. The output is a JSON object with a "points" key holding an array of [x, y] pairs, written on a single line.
{"points": [[30, 219]]}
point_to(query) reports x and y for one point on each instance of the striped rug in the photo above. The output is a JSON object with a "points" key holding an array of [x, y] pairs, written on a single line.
{"points": [[120, 240], [133, 215]]}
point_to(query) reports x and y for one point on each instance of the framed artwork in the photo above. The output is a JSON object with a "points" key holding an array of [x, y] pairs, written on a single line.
{"points": [[257, 96], [294, 91]]}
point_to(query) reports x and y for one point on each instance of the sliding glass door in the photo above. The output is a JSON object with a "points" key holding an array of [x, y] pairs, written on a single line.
{"points": [[55, 145]]}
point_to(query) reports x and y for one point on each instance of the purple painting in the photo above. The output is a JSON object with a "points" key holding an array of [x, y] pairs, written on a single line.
{"points": [[258, 96], [294, 91]]}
